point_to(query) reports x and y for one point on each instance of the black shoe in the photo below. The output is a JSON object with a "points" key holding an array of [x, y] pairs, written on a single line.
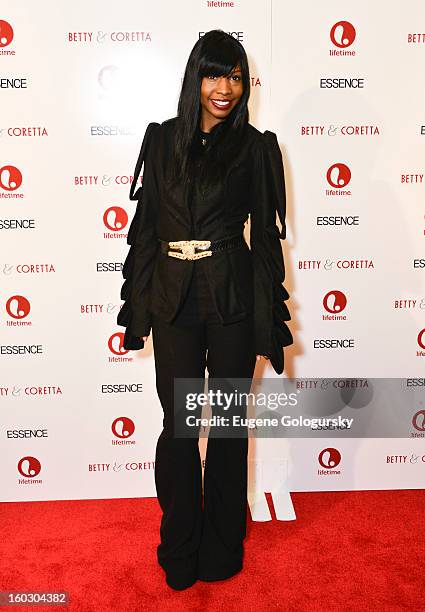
{"points": [[179, 584], [223, 575]]}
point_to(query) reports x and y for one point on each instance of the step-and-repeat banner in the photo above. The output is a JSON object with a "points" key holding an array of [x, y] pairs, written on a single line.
{"points": [[342, 86]]}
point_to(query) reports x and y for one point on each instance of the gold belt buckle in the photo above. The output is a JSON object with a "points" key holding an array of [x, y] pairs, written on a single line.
{"points": [[188, 249]]}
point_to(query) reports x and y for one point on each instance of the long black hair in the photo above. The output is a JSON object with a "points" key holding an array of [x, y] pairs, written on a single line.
{"points": [[216, 53]]}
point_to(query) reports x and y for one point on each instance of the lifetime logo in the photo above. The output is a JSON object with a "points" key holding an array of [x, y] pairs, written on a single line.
{"points": [[10, 181], [123, 428], [334, 302], [116, 346], [418, 422], [421, 342], [29, 467], [115, 219], [342, 35], [329, 459], [338, 175], [6, 37], [18, 307]]}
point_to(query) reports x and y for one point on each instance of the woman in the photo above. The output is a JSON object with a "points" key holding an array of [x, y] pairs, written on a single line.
{"points": [[211, 301]]}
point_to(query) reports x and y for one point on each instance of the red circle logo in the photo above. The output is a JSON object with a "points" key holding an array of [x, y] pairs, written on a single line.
{"points": [[10, 178], [29, 467], [343, 34], [6, 33], [418, 420], [338, 175], [123, 427], [18, 307], [420, 338], [115, 218], [334, 301], [116, 344], [329, 458]]}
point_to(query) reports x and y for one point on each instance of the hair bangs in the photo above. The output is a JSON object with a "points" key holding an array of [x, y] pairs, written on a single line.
{"points": [[218, 61]]}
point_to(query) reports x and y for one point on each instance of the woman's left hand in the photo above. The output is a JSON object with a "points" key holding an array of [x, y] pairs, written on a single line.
{"points": [[265, 357]]}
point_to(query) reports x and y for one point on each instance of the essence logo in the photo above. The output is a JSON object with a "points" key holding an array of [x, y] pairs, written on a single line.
{"points": [[338, 220], [115, 219], [21, 349], [10, 181], [421, 342], [237, 35], [110, 130], [123, 428], [13, 83], [342, 35], [418, 422], [418, 263], [334, 303], [18, 307], [109, 266], [6, 37], [329, 459], [29, 468], [338, 176], [116, 346], [342, 83], [14, 224]]}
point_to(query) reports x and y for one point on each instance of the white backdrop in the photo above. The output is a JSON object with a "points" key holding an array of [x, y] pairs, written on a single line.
{"points": [[78, 84]]}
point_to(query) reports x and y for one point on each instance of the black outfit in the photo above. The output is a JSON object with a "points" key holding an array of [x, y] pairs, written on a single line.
{"points": [[198, 541], [242, 281], [217, 312]]}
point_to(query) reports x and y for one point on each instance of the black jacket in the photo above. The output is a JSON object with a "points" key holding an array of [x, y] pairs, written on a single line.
{"points": [[242, 280]]}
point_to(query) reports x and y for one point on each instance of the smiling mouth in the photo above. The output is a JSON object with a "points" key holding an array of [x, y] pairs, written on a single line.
{"points": [[222, 104]]}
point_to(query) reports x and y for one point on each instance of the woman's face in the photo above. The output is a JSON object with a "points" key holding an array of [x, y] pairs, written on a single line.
{"points": [[219, 96]]}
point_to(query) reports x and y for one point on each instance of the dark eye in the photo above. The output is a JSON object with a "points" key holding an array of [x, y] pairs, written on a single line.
{"points": [[236, 77]]}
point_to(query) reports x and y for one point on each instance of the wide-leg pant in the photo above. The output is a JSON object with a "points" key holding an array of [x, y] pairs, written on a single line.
{"points": [[200, 536]]}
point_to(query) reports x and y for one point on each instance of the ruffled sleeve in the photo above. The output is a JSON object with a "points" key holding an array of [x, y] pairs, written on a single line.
{"points": [[269, 197], [135, 314]]}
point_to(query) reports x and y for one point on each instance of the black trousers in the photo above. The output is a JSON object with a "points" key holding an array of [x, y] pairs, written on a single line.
{"points": [[201, 532]]}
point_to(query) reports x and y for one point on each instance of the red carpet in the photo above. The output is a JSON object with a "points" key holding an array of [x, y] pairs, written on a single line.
{"points": [[346, 551]]}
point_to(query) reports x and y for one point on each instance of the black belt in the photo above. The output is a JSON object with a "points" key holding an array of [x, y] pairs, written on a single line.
{"points": [[196, 249]]}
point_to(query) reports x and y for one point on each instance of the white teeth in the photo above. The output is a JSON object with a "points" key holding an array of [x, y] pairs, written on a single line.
{"points": [[222, 102]]}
